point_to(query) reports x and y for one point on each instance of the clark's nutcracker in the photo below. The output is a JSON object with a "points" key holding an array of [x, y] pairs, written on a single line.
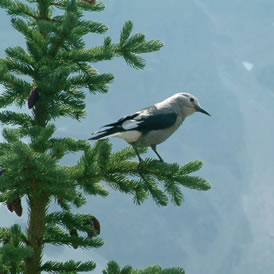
{"points": [[153, 125]]}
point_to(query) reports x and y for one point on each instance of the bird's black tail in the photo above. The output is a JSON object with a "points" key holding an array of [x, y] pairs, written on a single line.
{"points": [[105, 133]]}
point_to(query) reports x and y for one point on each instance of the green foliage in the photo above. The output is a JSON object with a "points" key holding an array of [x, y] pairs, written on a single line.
{"points": [[14, 250], [56, 65], [69, 266], [114, 268]]}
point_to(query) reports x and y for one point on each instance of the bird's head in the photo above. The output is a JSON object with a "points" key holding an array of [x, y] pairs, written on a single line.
{"points": [[189, 103]]}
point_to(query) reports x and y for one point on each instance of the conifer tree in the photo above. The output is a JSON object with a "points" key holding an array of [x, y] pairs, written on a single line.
{"points": [[113, 267], [52, 75]]}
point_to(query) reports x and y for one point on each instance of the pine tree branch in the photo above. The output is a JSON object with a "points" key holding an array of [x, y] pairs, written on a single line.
{"points": [[56, 236], [17, 89], [17, 8], [69, 266], [13, 250], [70, 221], [113, 267], [89, 6], [14, 118], [143, 179]]}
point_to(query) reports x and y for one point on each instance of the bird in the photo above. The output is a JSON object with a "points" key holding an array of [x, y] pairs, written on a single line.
{"points": [[153, 125]]}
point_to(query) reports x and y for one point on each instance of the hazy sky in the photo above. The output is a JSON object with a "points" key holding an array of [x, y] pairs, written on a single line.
{"points": [[222, 52]]}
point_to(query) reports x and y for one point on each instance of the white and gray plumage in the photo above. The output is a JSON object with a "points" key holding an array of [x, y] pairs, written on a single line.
{"points": [[153, 125]]}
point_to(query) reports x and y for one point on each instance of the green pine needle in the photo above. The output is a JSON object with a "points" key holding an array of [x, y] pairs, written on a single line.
{"points": [[69, 266]]}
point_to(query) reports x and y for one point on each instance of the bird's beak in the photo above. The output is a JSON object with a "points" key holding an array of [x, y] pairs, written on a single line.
{"points": [[199, 109]]}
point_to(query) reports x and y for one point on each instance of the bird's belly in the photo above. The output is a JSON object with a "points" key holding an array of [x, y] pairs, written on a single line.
{"points": [[156, 137], [130, 136]]}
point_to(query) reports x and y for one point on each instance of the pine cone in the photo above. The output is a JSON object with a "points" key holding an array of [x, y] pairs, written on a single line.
{"points": [[33, 97], [10, 206], [16, 206], [91, 2], [95, 225]]}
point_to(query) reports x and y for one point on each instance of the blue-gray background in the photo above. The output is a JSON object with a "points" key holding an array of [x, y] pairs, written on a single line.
{"points": [[222, 52]]}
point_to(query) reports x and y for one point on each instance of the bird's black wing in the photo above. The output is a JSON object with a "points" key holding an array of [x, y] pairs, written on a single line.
{"points": [[123, 119], [156, 121]]}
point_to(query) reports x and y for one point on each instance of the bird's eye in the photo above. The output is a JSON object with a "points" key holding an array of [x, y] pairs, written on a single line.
{"points": [[191, 99]]}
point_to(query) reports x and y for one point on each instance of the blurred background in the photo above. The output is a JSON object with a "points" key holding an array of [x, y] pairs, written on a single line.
{"points": [[223, 53]]}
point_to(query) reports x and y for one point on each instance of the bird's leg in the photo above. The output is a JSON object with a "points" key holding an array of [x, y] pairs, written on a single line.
{"points": [[139, 165], [137, 153], [153, 147]]}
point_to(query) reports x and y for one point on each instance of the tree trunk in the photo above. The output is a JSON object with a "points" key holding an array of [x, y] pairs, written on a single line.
{"points": [[37, 206]]}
